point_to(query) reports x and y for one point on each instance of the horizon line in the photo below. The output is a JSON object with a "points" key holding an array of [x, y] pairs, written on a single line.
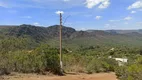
{"points": [[8, 25]]}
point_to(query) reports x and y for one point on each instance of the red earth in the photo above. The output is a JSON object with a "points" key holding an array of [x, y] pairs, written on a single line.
{"points": [[97, 76]]}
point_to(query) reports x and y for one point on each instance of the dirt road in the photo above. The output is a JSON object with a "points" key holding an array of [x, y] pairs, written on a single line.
{"points": [[99, 76]]}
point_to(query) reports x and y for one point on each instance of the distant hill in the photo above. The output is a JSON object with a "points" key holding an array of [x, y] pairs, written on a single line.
{"points": [[36, 32], [125, 31], [53, 31], [73, 38]]}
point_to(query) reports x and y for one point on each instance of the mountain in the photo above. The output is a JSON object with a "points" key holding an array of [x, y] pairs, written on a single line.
{"points": [[71, 37], [125, 31], [36, 32], [53, 31]]}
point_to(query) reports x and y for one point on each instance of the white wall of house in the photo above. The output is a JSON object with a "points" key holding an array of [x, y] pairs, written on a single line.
{"points": [[121, 61]]}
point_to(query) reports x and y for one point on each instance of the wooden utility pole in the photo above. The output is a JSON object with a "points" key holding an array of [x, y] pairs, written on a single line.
{"points": [[61, 63]]}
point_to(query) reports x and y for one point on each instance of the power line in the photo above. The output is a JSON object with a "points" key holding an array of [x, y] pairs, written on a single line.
{"points": [[66, 19]]}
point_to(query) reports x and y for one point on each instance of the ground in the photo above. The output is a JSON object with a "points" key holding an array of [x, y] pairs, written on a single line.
{"points": [[99, 76]]}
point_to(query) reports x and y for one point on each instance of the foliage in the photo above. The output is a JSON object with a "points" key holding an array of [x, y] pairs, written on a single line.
{"points": [[101, 65], [74, 62], [131, 72], [87, 63], [23, 49], [38, 60]]}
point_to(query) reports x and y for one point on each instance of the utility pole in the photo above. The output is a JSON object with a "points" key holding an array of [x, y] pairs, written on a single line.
{"points": [[61, 63]]}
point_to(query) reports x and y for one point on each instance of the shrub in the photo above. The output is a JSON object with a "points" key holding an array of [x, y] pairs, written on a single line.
{"points": [[130, 72], [94, 66], [74, 63], [101, 65], [39, 60], [121, 72], [4, 71]]}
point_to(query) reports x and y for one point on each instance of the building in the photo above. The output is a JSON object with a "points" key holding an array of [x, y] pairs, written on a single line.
{"points": [[121, 61]]}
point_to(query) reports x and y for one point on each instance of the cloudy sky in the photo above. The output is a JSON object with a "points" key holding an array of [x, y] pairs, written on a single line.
{"points": [[80, 14]]}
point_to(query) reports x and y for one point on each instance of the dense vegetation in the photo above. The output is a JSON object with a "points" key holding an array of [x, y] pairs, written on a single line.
{"points": [[32, 49], [132, 71]]}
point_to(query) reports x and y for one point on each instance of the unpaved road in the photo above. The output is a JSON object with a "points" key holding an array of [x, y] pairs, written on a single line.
{"points": [[99, 76]]}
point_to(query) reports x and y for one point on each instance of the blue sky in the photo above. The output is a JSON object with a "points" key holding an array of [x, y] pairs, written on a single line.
{"points": [[83, 14]]}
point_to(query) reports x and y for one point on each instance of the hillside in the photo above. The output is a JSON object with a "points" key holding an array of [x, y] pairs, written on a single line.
{"points": [[125, 31], [35, 49], [71, 37]]}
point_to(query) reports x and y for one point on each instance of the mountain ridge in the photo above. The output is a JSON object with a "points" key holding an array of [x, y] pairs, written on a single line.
{"points": [[72, 37]]}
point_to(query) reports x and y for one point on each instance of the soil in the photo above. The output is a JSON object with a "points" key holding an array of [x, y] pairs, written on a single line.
{"points": [[97, 76]]}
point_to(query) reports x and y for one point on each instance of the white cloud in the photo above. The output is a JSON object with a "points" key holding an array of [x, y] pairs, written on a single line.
{"points": [[98, 17], [104, 4], [132, 12], [36, 24], [58, 12], [128, 18], [3, 5], [101, 3], [42, 4], [135, 5], [26, 17]]}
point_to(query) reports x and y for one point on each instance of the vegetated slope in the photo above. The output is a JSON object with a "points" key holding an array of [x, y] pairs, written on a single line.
{"points": [[103, 38], [125, 31], [34, 49], [39, 33], [73, 38]]}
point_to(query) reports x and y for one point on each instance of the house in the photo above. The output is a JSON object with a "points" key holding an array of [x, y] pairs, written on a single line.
{"points": [[121, 61]]}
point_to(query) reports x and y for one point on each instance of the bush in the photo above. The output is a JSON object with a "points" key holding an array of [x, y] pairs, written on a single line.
{"points": [[74, 63], [27, 62], [94, 66], [131, 72], [39, 60], [100, 65], [121, 72], [4, 71]]}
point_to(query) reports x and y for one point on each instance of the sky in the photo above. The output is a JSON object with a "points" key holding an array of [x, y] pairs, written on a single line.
{"points": [[79, 14]]}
